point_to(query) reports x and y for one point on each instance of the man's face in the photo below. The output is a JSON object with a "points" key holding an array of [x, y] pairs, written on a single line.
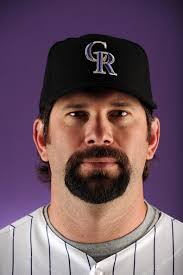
{"points": [[97, 144]]}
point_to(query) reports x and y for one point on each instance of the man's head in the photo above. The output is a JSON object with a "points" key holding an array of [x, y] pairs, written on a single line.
{"points": [[86, 127], [82, 123]]}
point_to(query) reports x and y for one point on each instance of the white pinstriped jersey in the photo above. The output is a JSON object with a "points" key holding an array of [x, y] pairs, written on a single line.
{"points": [[29, 247]]}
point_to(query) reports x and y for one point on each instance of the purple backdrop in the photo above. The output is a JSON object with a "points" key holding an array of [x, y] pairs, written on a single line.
{"points": [[27, 31]]}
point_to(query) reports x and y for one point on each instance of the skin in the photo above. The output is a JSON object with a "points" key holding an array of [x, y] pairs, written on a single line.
{"points": [[74, 218]]}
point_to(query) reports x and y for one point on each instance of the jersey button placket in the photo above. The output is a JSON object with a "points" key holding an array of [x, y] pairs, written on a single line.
{"points": [[97, 271]]}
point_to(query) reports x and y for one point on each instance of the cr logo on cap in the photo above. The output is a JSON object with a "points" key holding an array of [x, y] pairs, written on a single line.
{"points": [[102, 59]]}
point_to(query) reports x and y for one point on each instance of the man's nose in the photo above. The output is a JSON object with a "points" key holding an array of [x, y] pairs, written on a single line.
{"points": [[98, 131]]}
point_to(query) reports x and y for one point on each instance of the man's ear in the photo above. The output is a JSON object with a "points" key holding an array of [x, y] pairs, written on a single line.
{"points": [[39, 139], [154, 139]]}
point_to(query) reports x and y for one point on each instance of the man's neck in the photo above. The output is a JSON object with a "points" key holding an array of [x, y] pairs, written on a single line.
{"points": [[87, 223]]}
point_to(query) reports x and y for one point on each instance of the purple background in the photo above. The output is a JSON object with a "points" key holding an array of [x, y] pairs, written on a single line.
{"points": [[27, 30]]}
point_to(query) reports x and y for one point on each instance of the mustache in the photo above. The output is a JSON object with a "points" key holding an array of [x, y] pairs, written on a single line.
{"points": [[99, 152]]}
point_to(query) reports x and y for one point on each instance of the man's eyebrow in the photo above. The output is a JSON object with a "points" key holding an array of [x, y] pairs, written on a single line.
{"points": [[122, 104], [75, 106], [84, 105]]}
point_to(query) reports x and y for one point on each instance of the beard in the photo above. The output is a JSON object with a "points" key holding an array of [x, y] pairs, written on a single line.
{"points": [[98, 185]]}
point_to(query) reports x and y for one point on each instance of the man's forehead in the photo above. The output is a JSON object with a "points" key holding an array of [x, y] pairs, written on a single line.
{"points": [[105, 95]]}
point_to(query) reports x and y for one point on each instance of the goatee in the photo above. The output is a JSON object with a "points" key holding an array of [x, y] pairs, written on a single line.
{"points": [[98, 185]]}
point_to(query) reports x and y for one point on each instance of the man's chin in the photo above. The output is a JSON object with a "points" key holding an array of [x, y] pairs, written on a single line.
{"points": [[99, 185], [107, 172]]}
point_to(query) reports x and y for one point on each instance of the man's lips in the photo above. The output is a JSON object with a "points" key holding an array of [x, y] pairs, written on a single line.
{"points": [[99, 162]]}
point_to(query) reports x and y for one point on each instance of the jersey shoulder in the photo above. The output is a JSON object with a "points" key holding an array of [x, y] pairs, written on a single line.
{"points": [[22, 221], [167, 221], [168, 218], [170, 230]]}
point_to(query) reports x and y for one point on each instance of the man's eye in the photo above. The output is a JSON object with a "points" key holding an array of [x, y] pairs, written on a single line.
{"points": [[119, 113], [79, 114]]}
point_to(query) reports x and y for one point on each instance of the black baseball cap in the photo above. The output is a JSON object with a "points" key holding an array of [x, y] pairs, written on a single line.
{"points": [[96, 61]]}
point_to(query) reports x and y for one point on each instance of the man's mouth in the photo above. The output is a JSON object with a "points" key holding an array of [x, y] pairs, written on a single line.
{"points": [[99, 162]]}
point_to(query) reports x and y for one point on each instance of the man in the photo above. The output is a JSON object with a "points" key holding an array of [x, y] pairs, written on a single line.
{"points": [[95, 135]]}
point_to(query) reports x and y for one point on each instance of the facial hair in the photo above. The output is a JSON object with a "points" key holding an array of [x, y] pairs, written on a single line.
{"points": [[98, 186]]}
